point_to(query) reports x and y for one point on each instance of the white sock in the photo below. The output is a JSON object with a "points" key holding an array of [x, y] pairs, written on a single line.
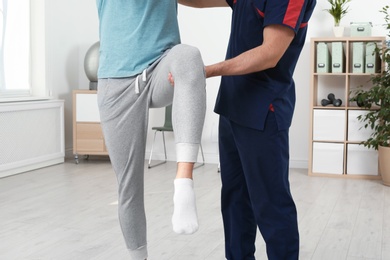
{"points": [[185, 218]]}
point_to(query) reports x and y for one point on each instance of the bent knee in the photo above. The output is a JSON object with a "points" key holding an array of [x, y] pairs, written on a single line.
{"points": [[185, 50], [186, 57]]}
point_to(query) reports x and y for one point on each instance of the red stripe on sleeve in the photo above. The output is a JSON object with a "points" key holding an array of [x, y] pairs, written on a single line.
{"points": [[292, 13]]}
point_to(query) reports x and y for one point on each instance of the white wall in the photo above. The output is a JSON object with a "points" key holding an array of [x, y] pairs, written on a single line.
{"points": [[72, 26]]}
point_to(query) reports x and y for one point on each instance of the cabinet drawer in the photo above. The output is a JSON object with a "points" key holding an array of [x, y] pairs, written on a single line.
{"points": [[89, 138], [356, 130], [90, 145], [328, 125], [328, 158], [89, 131], [361, 160]]}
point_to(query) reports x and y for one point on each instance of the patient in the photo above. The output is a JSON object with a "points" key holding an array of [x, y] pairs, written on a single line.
{"points": [[139, 46]]}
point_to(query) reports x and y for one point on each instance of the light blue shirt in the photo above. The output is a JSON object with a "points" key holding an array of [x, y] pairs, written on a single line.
{"points": [[134, 33]]}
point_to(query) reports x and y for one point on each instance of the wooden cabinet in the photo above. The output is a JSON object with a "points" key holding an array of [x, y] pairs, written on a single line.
{"points": [[87, 132], [339, 66]]}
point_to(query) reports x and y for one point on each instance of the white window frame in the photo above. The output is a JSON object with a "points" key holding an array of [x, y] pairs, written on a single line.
{"points": [[37, 62]]}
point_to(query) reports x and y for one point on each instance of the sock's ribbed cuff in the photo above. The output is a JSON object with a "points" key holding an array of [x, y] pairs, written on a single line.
{"points": [[139, 253], [183, 181], [187, 152]]}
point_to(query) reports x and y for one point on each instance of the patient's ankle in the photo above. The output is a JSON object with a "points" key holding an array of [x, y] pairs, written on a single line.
{"points": [[184, 170]]}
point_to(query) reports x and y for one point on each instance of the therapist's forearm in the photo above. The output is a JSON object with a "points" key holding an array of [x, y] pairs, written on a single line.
{"points": [[277, 38], [204, 3], [254, 60]]}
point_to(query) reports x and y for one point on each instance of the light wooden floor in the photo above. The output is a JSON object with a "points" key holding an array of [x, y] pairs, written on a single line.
{"points": [[69, 211]]}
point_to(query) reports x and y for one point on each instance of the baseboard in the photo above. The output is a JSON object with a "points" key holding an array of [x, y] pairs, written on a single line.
{"points": [[209, 158], [214, 158], [31, 167], [299, 164]]}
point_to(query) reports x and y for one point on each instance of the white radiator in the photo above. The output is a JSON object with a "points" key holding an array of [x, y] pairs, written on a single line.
{"points": [[31, 135]]}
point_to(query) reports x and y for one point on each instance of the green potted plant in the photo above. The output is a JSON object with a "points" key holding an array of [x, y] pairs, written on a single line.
{"points": [[377, 100], [338, 9]]}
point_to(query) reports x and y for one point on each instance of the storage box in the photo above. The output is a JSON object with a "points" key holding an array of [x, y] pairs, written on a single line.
{"points": [[361, 160], [361, 29], [356, 130], [323, 58], [328, 125], [328, 158]]}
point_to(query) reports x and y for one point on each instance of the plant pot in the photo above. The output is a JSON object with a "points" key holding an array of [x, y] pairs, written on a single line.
{"points": [[384, 164], [338, 31]]}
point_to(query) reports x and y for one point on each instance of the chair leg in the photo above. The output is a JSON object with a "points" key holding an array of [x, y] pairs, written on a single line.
{"points": [[201, 149], [151, 151], [165, 148], [201, 152]]}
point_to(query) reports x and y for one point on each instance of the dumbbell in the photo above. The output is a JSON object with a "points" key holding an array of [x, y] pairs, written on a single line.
{"points": [[360, 101], [331, 100]]}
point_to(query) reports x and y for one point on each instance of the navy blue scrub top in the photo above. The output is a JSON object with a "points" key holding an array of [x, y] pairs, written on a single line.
{"points": [[246, 99]]}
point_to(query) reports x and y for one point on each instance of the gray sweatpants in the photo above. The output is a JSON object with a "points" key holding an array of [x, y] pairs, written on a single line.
{"points": [[124, 107]]}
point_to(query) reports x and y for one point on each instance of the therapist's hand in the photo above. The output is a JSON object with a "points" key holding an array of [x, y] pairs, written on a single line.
{"points": [[207, 69], [170, 79]]}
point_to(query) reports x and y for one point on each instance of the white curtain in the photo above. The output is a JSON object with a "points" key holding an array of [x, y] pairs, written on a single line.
{"points": [[4, 5], [15, 48]]}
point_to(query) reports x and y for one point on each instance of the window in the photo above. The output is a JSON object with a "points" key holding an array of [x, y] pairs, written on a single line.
{"points": [[15, 48]]}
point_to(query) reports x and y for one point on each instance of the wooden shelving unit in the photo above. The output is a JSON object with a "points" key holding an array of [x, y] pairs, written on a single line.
{"points": [[335, 132]]}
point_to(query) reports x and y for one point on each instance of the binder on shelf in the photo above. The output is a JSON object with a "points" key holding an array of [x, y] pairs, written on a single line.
{"points": [[372, 60], [323, 59], [338, 58], [358, 56]]}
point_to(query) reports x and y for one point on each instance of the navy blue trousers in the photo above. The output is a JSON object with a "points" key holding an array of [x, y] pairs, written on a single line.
{"points": [[256, 191]]}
